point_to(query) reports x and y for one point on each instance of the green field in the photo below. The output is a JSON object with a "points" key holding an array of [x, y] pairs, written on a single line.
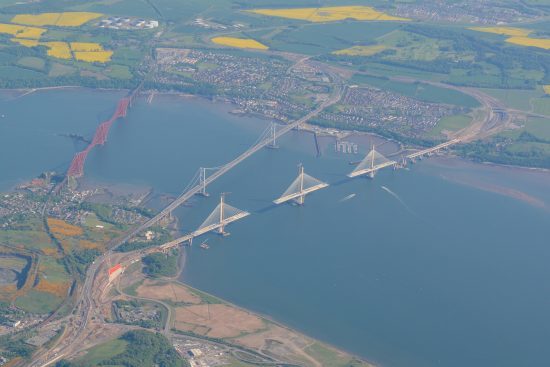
{"points": [[38, 302], [32, 62], [452, 123], [102, 352], [313, 39], [539, 127], [30, 239], [423, 92], [516, 98], [330, 358], [53, 270], [134, 348], [542, 105], [12, 262]]}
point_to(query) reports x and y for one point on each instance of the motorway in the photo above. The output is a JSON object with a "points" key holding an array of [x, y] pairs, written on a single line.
{"points": [[226, 168], [77, 323]]}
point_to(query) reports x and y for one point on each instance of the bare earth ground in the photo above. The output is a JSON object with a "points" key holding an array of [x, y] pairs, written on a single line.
{"points": [[166, 291], [240, 327], [221, 321], [281, 342]]}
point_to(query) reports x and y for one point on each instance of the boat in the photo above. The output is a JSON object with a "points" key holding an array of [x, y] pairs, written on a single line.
{"points": [[350, 196], [204, 245]]}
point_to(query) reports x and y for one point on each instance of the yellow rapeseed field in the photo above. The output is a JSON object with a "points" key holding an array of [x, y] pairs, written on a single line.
{"points": [[328, 14], [93, 56], [239, 42], [25, 42], [20, 31], [82, 51], [361, 50], [60, 50], [507, 31], [546, 88], [66, 19], [58, 226], [528, 41]]}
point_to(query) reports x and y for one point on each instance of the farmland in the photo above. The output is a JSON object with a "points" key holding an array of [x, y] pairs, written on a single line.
{"points": [[51, 254], [361, 50], [20, 31], [329, 14], [239, 43], [507, 31], [530, 42], [65, 19]]}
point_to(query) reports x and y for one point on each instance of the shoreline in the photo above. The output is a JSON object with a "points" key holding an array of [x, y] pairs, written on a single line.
{"points": [[179, 279], [330, 132]]}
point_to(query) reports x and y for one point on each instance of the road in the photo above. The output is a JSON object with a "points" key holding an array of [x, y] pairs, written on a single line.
{"points": [[496, 115], [226, 168], [84, 310]]}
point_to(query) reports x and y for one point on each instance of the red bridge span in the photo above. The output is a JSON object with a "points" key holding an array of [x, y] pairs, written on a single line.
{"points": [[76, 169]]}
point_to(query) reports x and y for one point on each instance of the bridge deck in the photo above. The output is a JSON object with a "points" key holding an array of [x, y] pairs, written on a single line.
{"points": [[369, 170], [433, 149], [286, 198], [204, 230], [227, 167]]}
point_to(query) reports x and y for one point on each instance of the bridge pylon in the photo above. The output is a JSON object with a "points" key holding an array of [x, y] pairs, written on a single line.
{"points": [[273, 136], [371, 163], [300, 187], [202, 182], [220, 217]]}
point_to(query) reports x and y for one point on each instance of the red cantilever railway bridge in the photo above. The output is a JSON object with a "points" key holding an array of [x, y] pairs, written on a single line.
{"points": [[76, 169]]}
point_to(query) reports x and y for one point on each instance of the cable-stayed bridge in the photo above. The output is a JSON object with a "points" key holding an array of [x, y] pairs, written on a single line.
{"points": [[375, 160], [371, 163], [300, 187], [220, 217], [198, 186]]}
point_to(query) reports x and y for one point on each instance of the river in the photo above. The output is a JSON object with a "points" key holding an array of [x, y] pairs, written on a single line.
{"points": [[444, 263]]}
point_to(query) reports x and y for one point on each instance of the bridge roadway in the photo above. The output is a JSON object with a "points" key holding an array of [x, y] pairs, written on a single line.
{"points": [[372, 169], [433, 149], [289, 197], [224, 169], [410, 156], [203, 230]]}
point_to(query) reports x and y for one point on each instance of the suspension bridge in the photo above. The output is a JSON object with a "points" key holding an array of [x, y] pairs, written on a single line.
{"points": [[200, 181], [300, 187]]}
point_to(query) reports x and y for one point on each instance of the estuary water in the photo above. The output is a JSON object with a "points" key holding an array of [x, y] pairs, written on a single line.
{"points": [[444, 263]]}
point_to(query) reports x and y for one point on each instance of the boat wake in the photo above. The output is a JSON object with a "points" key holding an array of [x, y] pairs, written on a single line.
{"points": [[400, 200]]}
